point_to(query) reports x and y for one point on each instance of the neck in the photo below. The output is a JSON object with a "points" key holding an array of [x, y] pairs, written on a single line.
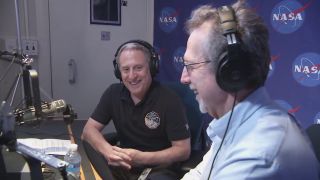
{"points": [[233, 99], [135, 99]]}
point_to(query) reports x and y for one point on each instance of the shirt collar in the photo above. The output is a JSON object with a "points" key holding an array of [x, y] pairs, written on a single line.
{"points": [[125, 94], [242, 112]]}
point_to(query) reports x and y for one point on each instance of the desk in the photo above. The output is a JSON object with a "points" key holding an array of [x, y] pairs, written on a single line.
{"points": [[47, 129]]}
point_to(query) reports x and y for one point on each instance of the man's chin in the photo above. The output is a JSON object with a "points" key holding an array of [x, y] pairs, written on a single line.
{"points": [[135, 91], [202, 107], [133, 88], [203, 110]]}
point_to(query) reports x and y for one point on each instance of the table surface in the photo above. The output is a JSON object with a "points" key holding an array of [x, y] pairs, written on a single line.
{"points": [[53, 129]]}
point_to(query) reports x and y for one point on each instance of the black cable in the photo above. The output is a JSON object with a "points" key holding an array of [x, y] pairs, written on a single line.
{"points": [[50, 53], [224, 135]]}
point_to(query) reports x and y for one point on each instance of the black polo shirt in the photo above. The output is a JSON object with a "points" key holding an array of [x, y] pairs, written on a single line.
{"points": [[151, 124]]}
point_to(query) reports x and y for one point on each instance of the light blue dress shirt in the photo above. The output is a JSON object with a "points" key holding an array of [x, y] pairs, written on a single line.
{"points": [[262, 142]]}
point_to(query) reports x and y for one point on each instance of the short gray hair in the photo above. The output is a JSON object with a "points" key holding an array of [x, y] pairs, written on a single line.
{"points": [[134, 46]]}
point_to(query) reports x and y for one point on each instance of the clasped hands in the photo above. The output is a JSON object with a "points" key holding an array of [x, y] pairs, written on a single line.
{"points": [[126, 158]]}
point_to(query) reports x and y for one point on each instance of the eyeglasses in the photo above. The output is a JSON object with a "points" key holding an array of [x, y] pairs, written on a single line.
{"points": [[190, 67]]}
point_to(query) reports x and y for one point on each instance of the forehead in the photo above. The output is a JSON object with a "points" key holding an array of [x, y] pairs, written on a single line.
{"points": [[132, 56], [196, 44]]}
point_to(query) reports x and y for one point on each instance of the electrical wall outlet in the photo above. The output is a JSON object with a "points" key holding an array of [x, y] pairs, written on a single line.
{"points": [[30, 47], [105, 35]]}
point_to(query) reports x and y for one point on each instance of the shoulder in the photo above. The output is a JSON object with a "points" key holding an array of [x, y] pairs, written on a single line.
{"points": [[114, 87], [269, 135], [113, 90], [172, 89], [274, 141]]}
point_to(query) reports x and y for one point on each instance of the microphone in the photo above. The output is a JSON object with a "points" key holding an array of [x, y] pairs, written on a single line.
{"points": [[55, 106], [29, 115]]}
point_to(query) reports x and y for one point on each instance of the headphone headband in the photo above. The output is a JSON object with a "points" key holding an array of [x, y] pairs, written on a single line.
{"points": [[227, 20]]}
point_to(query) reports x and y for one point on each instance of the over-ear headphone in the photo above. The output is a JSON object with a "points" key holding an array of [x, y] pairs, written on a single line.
{"points": [[235, 68], [154, 58]]}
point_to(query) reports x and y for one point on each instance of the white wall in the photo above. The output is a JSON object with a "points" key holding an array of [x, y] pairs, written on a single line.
{"points": [[63, 31], [8, 38], [73, 37], [7, 28], [30, 27]]}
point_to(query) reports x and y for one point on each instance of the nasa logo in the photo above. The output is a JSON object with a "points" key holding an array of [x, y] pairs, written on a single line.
{"points": [[306, 69], [288, 16], [168, 19], [152, 120], [178, 58], [317, 118]]}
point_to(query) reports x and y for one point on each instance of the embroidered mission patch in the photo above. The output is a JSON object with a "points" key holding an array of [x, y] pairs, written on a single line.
{"points": [[152, 120]]}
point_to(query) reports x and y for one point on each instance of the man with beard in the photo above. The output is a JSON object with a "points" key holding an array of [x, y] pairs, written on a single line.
{"points": [[226, 64]]}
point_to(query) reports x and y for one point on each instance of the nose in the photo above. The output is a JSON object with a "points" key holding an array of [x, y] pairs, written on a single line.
{"points": [[185, 78], [132, 73]]}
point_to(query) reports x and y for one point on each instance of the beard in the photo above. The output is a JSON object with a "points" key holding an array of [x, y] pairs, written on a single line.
{"points": [[202, 106]]}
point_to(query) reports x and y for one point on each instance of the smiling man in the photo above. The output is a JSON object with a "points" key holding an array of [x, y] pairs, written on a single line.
{"points": [[149, 118], [226, 65]]}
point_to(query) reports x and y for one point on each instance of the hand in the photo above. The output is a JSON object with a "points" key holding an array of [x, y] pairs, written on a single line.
{"points": [[117, 157], [137, 157]]}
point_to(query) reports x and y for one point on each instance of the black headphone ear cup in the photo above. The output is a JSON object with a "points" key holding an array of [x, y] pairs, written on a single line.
{"points": [[223, 71], [234, 70], [116, 70], [154, 63]]}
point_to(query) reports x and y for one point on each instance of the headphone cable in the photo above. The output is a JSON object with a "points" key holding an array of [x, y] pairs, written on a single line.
{"points": [[224, 135]]}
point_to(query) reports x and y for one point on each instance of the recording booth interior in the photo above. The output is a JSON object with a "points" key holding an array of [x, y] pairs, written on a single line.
{"points": [[73, 51], [35, 118]]}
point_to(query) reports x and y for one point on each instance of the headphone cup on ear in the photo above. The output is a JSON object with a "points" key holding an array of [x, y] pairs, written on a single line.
{"points": [[230, 77], [154, 64], [116, 70]]}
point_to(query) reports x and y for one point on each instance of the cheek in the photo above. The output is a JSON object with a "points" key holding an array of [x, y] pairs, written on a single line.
{"points": [[206, 86], [145, 72], [199, 79]]}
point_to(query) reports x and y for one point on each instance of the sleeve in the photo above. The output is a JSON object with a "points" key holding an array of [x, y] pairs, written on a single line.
{"points": [[103, 111], [177, 125]]}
